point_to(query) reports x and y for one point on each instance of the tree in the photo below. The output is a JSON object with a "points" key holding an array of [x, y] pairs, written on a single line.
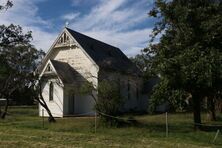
{"points": [[162, 93], [39, 98], [7, 5], [18, 62], [142, 61], [188, 55], [17, 58], [108, 99]]}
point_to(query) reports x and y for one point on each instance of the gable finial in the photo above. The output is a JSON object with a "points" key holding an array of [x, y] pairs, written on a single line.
{"points": [[67, 24]]}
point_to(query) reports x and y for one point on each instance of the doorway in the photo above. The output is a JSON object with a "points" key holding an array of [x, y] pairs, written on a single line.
{"points": [[71, 103]]}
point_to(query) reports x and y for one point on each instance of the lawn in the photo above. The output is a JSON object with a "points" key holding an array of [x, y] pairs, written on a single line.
{"points": [[23, 128]]}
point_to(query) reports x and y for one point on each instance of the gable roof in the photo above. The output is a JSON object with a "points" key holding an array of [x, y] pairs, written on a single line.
{"points": [[66, 73], [104, 55]]}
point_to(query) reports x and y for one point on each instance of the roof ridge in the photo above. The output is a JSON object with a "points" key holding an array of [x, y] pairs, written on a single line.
{"points": [[91, 37]]}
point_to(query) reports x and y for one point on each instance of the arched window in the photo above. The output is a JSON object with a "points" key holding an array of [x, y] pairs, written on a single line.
{"points": [[51, 89], [137, 91], [49, 68], [128, 89], [64, 36]]}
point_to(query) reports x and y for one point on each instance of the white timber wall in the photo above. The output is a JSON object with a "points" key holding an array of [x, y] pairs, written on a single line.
{"points": [[82, 64], [55, 105], [83, 104]]}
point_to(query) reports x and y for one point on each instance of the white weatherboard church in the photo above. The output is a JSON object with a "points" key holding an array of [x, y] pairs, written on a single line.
{"points": [[75, 58]]}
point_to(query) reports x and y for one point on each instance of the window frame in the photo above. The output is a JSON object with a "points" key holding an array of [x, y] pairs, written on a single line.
{"points": [[51, 91]]}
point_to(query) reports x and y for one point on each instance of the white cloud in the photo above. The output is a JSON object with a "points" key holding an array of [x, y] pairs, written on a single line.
{"points": [[112, 22], [70, 16], [76, 2], [24, 13], [82, 2]]}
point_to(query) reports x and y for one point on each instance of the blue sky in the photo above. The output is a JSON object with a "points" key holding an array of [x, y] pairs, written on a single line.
{"points": [[122, 23]]}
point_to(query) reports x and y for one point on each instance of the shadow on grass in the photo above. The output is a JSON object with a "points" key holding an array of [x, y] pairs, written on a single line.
{"points": [[155, 126], [211, 128]]}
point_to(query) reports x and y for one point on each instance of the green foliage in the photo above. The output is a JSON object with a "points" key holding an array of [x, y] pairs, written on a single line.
{"points": [[109, 98], [86, 88], [162, 93], [6, 5], [18, 59], [188, 55], [24, 96], [107, 102], [142, 61]]}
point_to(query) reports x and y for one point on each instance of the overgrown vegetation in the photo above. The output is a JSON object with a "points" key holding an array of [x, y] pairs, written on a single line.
{"points": [[108, 100]]}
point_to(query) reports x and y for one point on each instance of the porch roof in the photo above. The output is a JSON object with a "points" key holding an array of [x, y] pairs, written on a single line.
{"points": [[66, 73]]}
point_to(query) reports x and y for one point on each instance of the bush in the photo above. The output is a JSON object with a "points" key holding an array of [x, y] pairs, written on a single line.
{"points": [[109, 102]]}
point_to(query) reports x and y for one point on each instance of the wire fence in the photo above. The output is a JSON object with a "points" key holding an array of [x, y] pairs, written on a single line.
{"points": [[97, 114]]}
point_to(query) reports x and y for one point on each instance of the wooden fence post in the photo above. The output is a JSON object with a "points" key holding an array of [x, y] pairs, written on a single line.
{"points": [[166, 125], [42, 118], [95, 121], [218, 131]]}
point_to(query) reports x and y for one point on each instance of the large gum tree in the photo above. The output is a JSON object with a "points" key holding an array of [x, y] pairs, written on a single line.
{"points": [[188, 56]]}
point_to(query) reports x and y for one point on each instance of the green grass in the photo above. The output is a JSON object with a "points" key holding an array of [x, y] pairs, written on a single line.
{"points": [[23, 128]]}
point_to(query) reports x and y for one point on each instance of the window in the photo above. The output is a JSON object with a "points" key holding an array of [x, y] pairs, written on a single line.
{"points": [[137, 91], [51, 89], [128, 88], [64, 36], [49, 68]]}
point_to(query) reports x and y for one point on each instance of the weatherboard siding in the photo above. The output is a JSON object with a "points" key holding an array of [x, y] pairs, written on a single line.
{"points": [[133, 100], [56, 105], [83, 103], [80, 62]]}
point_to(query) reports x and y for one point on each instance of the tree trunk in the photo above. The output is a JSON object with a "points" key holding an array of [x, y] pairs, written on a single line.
{"points": [[50, 118], [42, 102], [220, 106], [196, 111], [211, 108], [6, 109]]}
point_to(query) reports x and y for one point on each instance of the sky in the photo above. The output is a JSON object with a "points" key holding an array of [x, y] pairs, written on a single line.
{"points": [[121, 23]]}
